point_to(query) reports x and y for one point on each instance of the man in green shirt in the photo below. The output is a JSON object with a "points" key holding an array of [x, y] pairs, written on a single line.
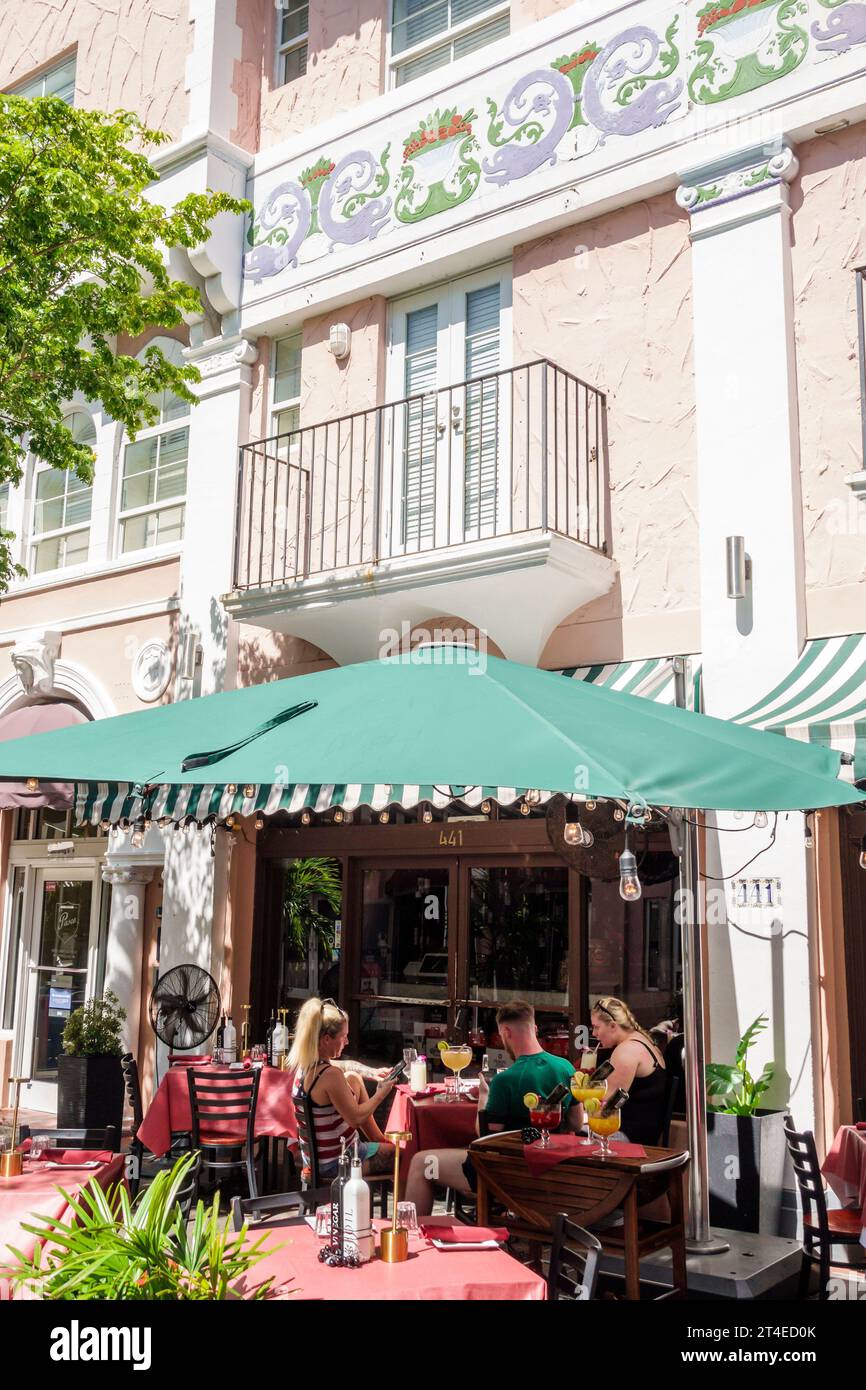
{"points": [[533, 1071]]}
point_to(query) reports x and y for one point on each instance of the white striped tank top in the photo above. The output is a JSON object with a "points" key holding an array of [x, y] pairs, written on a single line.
{"points": [[329, 1123]]}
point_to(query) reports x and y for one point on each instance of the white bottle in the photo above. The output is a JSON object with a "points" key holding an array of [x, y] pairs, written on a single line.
{"points": [[418, 1074], [280, 1043], [230, 1042], [358, 1237]]}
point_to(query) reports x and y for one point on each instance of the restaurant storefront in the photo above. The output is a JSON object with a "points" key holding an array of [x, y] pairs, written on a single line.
{"points": [[440, 922]]}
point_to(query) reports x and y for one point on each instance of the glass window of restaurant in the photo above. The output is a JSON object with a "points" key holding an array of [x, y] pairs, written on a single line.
{"points": [[426, 948]]}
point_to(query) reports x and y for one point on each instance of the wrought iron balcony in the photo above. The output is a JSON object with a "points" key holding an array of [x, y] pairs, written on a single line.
{"points": [[519, 451]]}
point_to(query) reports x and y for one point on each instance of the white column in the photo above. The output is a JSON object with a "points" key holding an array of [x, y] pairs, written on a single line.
{"points": [[124, 952], [749, 485]]}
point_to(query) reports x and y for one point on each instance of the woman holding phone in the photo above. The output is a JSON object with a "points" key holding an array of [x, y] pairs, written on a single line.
{"points": [[340, 1105]]}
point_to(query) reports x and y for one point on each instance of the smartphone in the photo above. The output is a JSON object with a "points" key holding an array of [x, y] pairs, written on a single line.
{"points": [[397, 1070]]}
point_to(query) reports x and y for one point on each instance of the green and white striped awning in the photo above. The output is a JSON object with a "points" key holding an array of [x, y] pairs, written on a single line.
{"points": [[822, 700], [116, 801]]}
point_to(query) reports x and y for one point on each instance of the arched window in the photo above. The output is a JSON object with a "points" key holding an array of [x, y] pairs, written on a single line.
{"points": [[60, 534], [153, 486]]}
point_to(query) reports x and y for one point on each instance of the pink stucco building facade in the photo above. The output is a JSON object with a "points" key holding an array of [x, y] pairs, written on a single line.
{"points": [[603, 269]]}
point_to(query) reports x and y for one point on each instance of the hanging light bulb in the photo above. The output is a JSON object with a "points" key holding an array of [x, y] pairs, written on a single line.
{"points": [[249, 790], [525, 808], [163, 822], [427, 815], [148, 822], [591, 803], [231, 822], [574, 833], [338, 817], [588, 838], [629, 883], [105, 826], [619, 813], [259, 822], [231, 788], [761, 820], [485, 808], [533, 796], [305, 818], [384, 817], [33, 784], [137, 839], [809, 838], [863, 853]]}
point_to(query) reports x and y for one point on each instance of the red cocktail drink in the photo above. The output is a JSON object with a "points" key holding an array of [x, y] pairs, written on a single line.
{"points": [[546, 1118]]}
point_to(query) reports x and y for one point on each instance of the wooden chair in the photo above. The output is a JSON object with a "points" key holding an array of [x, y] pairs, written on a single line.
{"points": [[216, 1098], [255, 1210], [822, 1229], [73, 1138], [314, 1188], [574, 1257]]}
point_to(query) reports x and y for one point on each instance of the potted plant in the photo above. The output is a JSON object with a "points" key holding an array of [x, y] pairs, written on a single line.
{"points": [[89, 1074], [745, 1143], [142, 1249]]}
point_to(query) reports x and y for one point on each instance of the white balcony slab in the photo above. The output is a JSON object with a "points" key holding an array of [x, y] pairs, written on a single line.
{"points": [[516, 589]]}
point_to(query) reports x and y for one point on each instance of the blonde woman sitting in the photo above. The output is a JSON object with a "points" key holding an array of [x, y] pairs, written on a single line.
{"points": [[340, 1106], [638, 1067]]}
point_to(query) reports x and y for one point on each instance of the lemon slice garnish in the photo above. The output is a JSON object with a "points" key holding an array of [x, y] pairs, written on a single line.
{"points": [[530, 1100], [592, 1105], [442, 1045]]}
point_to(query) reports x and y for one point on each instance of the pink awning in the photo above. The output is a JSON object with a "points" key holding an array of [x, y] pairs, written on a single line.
{"points": [[38, 718]]}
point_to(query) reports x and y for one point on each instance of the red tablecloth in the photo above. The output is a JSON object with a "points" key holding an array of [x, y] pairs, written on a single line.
{"points": [[428, 1274], [433, 1124], [37, 1193], [845, 1169], [170, 1112]]}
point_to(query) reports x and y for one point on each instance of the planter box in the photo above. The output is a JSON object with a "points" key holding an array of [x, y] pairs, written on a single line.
{"points": [[747, 1155], [89, 1093]]}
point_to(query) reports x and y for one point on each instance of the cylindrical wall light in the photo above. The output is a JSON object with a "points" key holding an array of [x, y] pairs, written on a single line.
{"points": [[738, 568]]}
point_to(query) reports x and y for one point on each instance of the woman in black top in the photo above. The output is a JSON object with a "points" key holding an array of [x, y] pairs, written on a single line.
{"points": [[638, 1067]]}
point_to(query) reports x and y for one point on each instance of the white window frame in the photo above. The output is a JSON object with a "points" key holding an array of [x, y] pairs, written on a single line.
{"points": [[290, 46], [395, 61], [289, 402], [36, 538], [40, 78], [124, 514]]}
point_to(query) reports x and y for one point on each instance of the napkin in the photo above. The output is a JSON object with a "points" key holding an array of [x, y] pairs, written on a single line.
{"points": [[559, 1150], [462, 1235]]}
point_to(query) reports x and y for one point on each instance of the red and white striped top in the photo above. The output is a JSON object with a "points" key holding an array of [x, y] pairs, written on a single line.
{"points": [[329, 1124]]}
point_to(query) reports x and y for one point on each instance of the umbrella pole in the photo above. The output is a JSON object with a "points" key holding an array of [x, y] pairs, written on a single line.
{"points": [[699, 1237]]}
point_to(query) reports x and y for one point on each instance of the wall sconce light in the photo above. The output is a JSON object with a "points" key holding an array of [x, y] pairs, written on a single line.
{"points": [[738, 566], [340, 340]]}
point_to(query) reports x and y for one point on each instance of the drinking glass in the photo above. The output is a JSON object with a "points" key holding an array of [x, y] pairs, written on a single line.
{"points": [[456, 1057], [546, 1118], [37, 1146], [407, 1216], [323, 1222], [410, 1055], [603, 1126], [258, 1054]]}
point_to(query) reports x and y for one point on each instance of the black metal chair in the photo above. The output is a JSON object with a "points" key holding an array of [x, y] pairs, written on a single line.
{"points": [[93, 1138], [144, 1164], [822, 1229], [314, 1188], [255, 1211], [574, 1257], [226, 1097], [188, 1191]]}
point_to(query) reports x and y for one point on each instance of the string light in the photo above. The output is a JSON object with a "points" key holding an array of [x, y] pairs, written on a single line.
{"points": [[619, 813], [761, 820], [590, 804], [338, 816], [249, 790], [231, 788], [305, 818], [231, 822], [384, 817], [33, 784], [809, 837], [259, 822], [137, 839], [629, 883], [427, 815], [105, 826], [485, 808], [525, 808], [575, 834], [533, 796]]}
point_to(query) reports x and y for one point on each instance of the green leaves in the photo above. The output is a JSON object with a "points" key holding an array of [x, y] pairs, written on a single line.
{"points": [[94, 1029], [732, 1089], [83, 261], [306, 880], [143, 1250]]}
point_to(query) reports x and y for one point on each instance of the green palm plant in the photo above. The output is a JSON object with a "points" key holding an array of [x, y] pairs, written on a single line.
{"points": [[118, 1248], [306, 880], [732, 1089]]}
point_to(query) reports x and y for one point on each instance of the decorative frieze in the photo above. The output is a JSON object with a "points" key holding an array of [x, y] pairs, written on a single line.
{"points": [[725, 182]]}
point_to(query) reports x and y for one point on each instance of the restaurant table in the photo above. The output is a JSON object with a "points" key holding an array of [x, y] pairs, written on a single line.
{"points": [[588, 1188], [845, 1170], [37, 1193], [432, 1124], [428, 1275], [169, 1111]]}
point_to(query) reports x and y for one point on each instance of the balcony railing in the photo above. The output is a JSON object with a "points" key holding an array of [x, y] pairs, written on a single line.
{"points": [[517, 451]]}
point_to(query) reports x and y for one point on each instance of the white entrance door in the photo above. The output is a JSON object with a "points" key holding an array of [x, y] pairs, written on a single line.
{"points": [[60, 961], [447, 451]]}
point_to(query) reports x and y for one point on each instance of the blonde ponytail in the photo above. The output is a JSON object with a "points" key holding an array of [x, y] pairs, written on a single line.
{"points": [[317, 1017], [619, 1012]]}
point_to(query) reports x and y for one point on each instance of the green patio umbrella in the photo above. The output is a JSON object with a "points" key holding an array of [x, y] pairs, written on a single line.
{"points": [[439, 719]]}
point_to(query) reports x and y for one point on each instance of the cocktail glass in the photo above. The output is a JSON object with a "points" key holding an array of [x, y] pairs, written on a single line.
{"points": [[456, 1056], [603, 1126], [546, 1118]]}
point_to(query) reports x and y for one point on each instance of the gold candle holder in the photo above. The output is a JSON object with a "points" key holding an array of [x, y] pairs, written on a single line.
{"points": [[394, 1243], [11, 1161], [245, 1032]]}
